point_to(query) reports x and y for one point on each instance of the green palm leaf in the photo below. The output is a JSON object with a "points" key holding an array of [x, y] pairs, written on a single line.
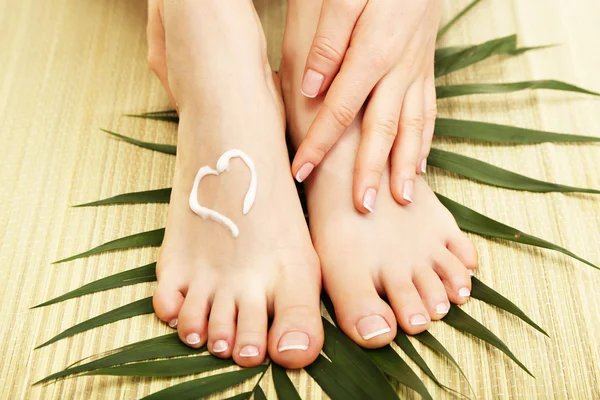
{"points": [[495, 176], [163, 148], [462, 321], [203, 387], [258, 393], [330, 377], [167, 116], [495, 133], [444, 92], [454, 20], [243, 396], [283, 385], [481, 291], [471, 221], [146, 196], [140, 307], [143, 239]]}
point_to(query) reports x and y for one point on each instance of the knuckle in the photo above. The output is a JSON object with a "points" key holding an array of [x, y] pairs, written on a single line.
{"points": [[379, 60], [342, 114], [431, 112], [324, 49], [386, 128], [413, 125]]}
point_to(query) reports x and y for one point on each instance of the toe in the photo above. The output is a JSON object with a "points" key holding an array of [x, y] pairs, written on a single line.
{"points": [[411, 314], [296, 336], [462, 247], [360, 312], [221, 325], [251, 335], [432, 292], [454, 275], [193, 317], [167, 301]]}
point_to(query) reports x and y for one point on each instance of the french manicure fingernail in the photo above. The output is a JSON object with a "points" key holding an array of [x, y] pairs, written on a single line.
{"points": [[249, 351], [464, 292], [311, 84], [407, 193], [173, 323], [293, 341], [220, 346], [424, 166], [304, 172], [442, 308], [471, 272], [192, 338], [371, 326], [369, 199], [417, 319]]}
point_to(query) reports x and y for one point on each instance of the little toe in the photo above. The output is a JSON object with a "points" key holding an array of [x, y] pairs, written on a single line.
{"points": [[296, 336], [462, 247], [432, 292], [166, 301], [360, 312], [411, 314], [193, 316], [221, 325], [251, 336], [454, 275]]}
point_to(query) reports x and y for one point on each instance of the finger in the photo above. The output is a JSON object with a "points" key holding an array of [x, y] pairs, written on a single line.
{"points": [[155, 32], [329, 45], [406, 148], [430, 114], [347, 94], [380, 127]]}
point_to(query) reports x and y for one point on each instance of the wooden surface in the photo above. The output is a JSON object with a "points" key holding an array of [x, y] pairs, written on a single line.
{"points": [[70, 67]]}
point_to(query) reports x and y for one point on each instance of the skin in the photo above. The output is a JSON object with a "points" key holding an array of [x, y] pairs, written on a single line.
{"points": [[378, 54]]}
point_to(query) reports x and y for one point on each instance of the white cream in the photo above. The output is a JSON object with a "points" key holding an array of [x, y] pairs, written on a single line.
{"points": [[222, 166]]}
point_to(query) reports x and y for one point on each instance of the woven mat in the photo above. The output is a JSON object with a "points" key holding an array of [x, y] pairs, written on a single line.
{"points": [[69, 67]]}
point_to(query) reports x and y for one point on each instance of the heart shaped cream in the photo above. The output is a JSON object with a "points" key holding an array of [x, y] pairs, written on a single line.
{"points": [[222, 166]]}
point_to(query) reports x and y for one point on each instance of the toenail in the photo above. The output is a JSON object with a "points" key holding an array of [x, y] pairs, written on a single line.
{"points": [[464, 292], [424, 166], [418, 319], [369, 199], [249, 351], [471, 272], [220, 346], [312, 82], [408, 191], [173, 323], [192, 338], [304, 172], [442, 308], [293, 341], [371, 326]]}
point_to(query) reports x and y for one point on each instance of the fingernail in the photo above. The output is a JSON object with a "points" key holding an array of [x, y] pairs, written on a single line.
{"points": [[304, 172], [424, 166], [220, 346], [442, 308], [249, 351], [471, 272], [371, 326], [418, 319], [369, 199], [464, 292], [408, 191], [192, 338], [293, 341], [173, 323], [311, 84]]}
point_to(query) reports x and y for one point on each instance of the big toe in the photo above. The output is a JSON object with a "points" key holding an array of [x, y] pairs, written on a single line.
{"points": [[167, 301]]}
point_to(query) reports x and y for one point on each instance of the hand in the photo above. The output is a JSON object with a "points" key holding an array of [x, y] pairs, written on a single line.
{"points": [[383, 49]]}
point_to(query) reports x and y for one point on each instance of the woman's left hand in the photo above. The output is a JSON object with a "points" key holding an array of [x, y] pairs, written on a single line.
{"points": [[383, 49]]}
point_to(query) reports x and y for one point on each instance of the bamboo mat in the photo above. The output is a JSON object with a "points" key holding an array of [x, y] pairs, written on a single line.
{"points": [[69, 67]]}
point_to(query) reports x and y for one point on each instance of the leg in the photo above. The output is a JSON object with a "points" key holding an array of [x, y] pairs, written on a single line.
{"points": [[216, 289], [414, 255]]}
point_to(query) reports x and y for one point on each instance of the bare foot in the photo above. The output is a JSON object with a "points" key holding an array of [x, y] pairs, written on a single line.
{"points": [[414, 255], [216, 289]]}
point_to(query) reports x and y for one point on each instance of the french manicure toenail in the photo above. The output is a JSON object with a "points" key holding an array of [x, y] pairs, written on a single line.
{"points": [[471, 272], [371, 326], [407, 194], [192, 338], [304, 172], [369, 199], [311, 84], [293, 341], [418, 319], [442, 308], [464, 292], [424, 166], [220, 346], [249, 351], [173, 323]]}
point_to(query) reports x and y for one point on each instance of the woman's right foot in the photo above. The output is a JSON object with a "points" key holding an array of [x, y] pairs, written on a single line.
{"points": [[414, 255]]}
